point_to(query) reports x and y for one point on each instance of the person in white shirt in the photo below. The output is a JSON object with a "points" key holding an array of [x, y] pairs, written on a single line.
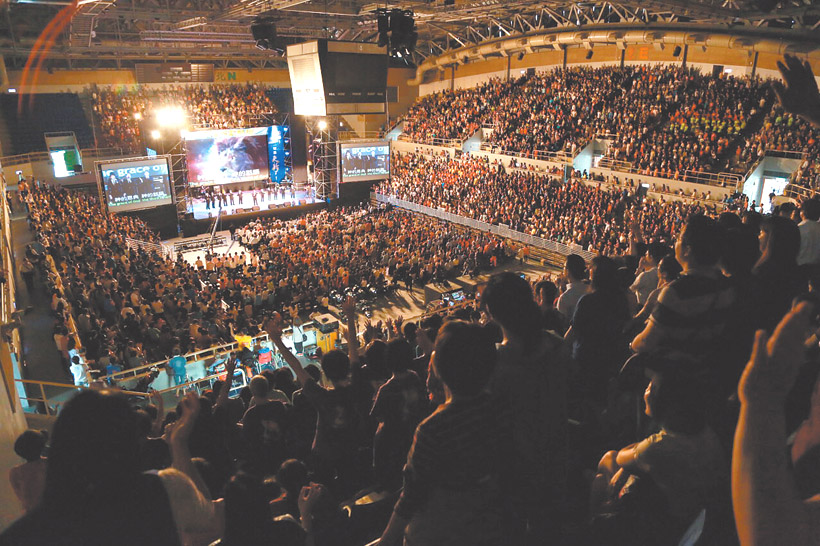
{"points": [[647, 279], [809, 233], [79, 370], [575, 273]]}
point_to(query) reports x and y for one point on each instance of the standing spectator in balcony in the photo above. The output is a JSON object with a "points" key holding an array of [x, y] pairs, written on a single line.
{"points": [[553, 320], [27, 272], [531, 379], [809, 256], [596, 331], [177, 365], [455, 483], [28, 479], [776, 271], [692, 311], [575, 274], [647, 280]]}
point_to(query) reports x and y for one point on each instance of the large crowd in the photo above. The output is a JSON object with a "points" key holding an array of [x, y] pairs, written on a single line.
{"points": [[662, 120], [119, 111], [510, 420], [132, 304], [578, 212]]}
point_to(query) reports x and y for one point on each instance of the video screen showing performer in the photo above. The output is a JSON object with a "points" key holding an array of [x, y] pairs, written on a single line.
{"points": [[136, 185], [365, 162], [228, 158]]}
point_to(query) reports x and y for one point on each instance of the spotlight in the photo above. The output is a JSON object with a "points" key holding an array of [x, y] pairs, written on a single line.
{"points": [[589, 54], [322, 125], [171, 117], [676, 51], [137, 116], [156, 134]]}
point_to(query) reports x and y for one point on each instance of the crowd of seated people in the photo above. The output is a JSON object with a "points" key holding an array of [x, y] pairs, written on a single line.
{"points": [[216, 106], [455, 429], [511, 422], [781, 131], [454, 114], [708, 117], [665, 120], [572, 213], [564, 109], [130, 304]]}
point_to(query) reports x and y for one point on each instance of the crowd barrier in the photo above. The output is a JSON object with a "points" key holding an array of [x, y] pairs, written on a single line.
{"points": [[500, 230], [540, 155], [721, 180]]}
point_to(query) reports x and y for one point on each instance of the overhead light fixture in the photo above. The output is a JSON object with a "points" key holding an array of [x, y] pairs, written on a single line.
{"points": [[676, 51]]}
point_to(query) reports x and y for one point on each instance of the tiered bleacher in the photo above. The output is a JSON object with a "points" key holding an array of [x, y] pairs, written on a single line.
{"points": [[217, 106], [663, 392], [43, 113]]}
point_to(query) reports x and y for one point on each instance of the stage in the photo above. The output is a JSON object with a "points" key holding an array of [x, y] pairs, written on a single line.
{"points": [[254, 201]]}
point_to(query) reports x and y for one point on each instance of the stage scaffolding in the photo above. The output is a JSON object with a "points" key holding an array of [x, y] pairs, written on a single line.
{"points": [[325, 158]]}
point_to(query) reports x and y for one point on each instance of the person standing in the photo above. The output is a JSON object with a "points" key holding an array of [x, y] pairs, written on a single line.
{"points": [[27, 272]]}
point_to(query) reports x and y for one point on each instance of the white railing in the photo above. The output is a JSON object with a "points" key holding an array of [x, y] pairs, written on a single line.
{"points": [[88, 153], [444, 142], [147, 246], [210, 352], [500, 230], [539, 155], [696, 177]]}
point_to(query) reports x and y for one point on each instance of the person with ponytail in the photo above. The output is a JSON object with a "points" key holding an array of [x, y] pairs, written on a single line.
{"points": [[530, 379]]}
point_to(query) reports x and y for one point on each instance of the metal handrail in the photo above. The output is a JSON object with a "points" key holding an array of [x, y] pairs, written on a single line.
{"points": [[722, 179], [44, 398], [189, 357], [434, 141], [539, 155], [500, 230], [87, 153]]}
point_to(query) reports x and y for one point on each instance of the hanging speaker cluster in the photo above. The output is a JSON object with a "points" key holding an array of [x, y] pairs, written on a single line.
{"points": [[263, 30], [397, 30]]}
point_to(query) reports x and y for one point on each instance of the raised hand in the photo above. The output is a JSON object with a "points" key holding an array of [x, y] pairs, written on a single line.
{"points": [[349, 306], [775, 361], [273, 326], [799, 95], [190, 408]]}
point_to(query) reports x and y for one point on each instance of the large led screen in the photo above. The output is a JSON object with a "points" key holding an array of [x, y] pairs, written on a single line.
{"points": [[227, 156], [365, 161], [136, 184], [278, 135]]}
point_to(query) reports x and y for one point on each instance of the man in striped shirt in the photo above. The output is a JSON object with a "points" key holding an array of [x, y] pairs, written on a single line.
{"points": [[458, 472], [692, 311]]}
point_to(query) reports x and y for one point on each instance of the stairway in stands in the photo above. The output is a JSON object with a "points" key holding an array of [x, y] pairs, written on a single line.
{"points": [[5, 137], [93, 121]]}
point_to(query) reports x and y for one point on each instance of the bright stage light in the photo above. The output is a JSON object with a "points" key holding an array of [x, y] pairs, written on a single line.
{"points": [[137, 116], [171, 117], [155, 134], [322, 125]]}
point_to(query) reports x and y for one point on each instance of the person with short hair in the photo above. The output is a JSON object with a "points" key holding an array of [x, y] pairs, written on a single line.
{"points": [[692, 311], [647, 280], [575, 270], [456, 472], [809, 255]]}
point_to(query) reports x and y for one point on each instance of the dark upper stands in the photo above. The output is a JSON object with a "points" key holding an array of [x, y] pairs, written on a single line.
{"points": [[50, 112]]}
